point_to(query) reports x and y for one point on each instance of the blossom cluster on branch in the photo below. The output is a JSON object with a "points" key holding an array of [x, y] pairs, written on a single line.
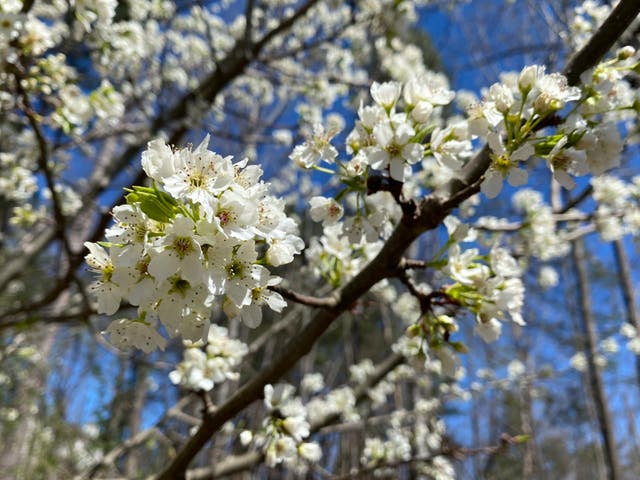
{"points": [[206, 229]]}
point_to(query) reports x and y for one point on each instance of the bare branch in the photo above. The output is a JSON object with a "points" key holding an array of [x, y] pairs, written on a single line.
{"points": [[326, 302]]}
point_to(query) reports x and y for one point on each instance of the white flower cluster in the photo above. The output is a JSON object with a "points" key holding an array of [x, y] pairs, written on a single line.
{"points": [[488, 290], [548, 277], [335, 258], [389, 138], [426, 346], [403, 127], [607, 348], [284, 431], [378, 394], [507, 117], [580, 363], [17, 182], [193, 237], [618, 211], [630, 332], [490, 287], [588, 141], [201, 370], [538, 236], [346, 246], [316, 148], [588, 16], [338, 401], [416, 434], [396, 448]]}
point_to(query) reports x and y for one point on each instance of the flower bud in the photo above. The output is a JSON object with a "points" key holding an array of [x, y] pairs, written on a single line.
{"points": [[413, 330], [502, 97], [528, 77], [625, 52]]}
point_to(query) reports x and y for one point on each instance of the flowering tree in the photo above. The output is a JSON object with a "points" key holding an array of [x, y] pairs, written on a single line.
{"points": [[213, 163]]}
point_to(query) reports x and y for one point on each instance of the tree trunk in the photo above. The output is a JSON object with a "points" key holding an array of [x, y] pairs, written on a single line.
{"points": [[139, 386], [590, 344], [624, 274], [526, 422]]}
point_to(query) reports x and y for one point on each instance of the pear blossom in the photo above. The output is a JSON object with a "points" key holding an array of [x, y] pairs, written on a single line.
{"points": [[394, 148], [317, 148], [251, 315], [449, 149], [603, 145], [462, 268], [386, 94], [158, 160], [423, 93], [199, 174], [312, 382], [529, 76], [564, 160], [548, 277], [310, 451], [553, 92], [489, 331], [325, 210], [285, 430], [502, 97], [178, 251], [505, 164], [107, 292]]}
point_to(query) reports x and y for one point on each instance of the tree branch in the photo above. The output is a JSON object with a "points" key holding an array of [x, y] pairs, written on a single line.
{"points": [[327, 302]]}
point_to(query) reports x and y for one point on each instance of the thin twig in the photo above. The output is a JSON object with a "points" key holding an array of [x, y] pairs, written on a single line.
{"points": [[322, 302]]}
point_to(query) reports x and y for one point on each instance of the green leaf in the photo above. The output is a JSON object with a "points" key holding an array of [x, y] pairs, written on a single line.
{"points": [[521, 438], [150, 206], [156, 204]]}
